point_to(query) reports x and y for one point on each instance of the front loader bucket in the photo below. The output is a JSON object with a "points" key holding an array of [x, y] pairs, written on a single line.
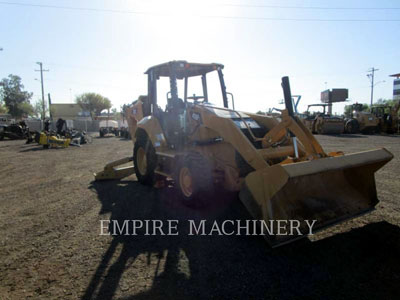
{"points": [[328, 190], [111, 172]]}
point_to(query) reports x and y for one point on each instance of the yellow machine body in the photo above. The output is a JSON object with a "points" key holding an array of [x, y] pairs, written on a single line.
{"points": [[321, 125], [366, 120], [53, 141], [388, 117]]}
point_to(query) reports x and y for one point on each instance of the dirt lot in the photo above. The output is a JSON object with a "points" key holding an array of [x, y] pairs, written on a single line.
{"points": [[51, 248]]}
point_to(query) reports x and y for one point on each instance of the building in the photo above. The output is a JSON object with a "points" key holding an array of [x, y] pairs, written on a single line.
{"points": [[396, 86], [69, 111]]}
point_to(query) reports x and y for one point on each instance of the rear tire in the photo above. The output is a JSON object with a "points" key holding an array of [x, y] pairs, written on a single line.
{"points": [[144, 160], [193, 178]]}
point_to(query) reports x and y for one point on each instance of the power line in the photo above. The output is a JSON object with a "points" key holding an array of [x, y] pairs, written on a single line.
{"points": [[102, 10], [77, 8], [309, 7], [92, 69]]}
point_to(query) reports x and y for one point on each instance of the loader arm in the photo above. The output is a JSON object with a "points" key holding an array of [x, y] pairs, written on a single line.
{"points": [[311, 145]]}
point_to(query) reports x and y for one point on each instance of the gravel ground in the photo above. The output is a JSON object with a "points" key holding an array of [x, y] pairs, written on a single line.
{"points": [[50, 212]]}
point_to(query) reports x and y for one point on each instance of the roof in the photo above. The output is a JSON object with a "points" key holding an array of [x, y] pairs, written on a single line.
{"points": [[184, 69], [108, 123], [65, 110], [322, 104], [395, 75]]}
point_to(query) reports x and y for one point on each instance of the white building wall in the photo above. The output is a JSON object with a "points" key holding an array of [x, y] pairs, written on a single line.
{"points": [[396, 89]]}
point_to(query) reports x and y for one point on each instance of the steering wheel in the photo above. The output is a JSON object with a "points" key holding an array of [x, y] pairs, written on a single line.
{"points": [[195, 98]]}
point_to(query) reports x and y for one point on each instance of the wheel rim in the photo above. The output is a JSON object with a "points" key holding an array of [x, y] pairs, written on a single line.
{"points": [[185, 182], [142, 161]]}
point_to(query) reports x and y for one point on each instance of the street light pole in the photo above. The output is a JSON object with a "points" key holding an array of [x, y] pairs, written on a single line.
{"points": [[41, 81], [371, 76]]}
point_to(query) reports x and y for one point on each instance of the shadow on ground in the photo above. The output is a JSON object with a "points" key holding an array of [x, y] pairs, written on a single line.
{"points": [[105, 136], [350, 136], [360, 264]]}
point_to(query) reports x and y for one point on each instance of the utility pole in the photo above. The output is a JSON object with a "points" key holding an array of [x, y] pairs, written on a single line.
{"points": [[41, 81], [371, 75]]}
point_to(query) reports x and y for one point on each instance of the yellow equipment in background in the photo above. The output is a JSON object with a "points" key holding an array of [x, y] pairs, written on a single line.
{"points": [[279, 169], [388, 117], [52, 141], [322, 122], [361, 121]]}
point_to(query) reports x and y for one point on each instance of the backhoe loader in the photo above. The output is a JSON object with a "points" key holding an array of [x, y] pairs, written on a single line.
{"points": [[279, 169]]}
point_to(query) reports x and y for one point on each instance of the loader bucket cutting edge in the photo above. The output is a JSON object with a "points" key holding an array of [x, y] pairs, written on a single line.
{"points": [[328, 190]]}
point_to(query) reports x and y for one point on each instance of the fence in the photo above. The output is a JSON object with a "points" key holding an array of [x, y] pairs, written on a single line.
{"points": [[82, 125]]}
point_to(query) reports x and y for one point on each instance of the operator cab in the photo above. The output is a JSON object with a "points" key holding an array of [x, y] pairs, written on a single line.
{"points": [[313, 114], [182, 75]]}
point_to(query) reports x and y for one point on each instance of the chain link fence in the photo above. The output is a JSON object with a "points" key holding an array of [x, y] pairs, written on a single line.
{"points": [[81, 125]]}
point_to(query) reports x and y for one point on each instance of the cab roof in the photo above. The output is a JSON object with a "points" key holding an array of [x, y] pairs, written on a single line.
{"points": [[184, 69]]}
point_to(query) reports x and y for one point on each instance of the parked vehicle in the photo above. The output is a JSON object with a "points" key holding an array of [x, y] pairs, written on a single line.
{"points": [[322, 122], [14, 131], [361, 121], [108, 127]]}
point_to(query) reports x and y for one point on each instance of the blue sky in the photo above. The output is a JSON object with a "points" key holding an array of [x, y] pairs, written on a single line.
{"points": [[107, 51]]}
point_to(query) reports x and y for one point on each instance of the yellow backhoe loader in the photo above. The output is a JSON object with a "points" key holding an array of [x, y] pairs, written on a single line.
{"points": [[279, 169]]}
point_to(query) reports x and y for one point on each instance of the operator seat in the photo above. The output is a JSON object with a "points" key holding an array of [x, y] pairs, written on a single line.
{"points": [[173, 122]]}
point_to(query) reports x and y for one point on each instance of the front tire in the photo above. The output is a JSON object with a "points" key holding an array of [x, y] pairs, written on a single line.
{"points": [[318, 128], [352, 126], [144, 160], [193, 178]]}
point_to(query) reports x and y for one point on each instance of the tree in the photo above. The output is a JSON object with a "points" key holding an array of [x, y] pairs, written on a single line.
{"points": [[38, 110], [15, 98], [3, 109], [116, 114], [388, 103], [93, 103], [27, 108]]}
